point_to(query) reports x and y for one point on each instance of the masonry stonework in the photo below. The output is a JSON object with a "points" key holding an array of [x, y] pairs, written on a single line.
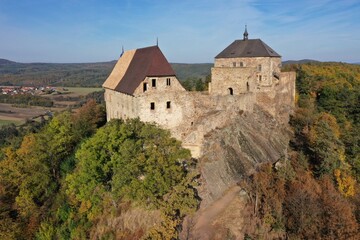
{"points": [[237, 84]]}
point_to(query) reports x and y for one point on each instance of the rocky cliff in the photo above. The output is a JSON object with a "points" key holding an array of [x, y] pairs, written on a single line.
{"points": [[230, 153]]}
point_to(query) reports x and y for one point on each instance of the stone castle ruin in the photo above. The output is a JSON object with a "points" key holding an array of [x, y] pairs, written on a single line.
{"points": [[245, 74]]}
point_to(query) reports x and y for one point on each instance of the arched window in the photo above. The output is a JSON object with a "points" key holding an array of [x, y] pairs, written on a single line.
{"points": [[231, 91]]}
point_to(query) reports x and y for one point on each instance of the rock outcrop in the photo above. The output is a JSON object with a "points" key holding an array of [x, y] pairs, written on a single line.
{"points": [[230, 153]]}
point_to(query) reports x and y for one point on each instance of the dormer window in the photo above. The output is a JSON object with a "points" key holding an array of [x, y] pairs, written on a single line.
{"points": [[168, 82], [153, 82]]}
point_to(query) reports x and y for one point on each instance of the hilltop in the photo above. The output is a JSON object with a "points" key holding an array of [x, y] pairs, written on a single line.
{"points": [[89, 74], [78, 74], [251, 182]]}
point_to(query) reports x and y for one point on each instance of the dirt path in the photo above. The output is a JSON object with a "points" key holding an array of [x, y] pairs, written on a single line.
{"points": [[203, 228]]}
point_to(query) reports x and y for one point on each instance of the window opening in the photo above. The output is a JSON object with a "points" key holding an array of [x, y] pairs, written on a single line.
{"points": [[231, 91], [259, 67], [153, 82], [145, 87], [241, 64], [152, 106], [168, 104], [234, 64], [168, 82], [247, 86]]}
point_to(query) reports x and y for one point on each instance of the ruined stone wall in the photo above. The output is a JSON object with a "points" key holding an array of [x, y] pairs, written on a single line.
{"points": [[255, 71], [227, 81], [120, 105], [279, 100], [168, 109], [191, 115], [188, 115], [162, 84]]}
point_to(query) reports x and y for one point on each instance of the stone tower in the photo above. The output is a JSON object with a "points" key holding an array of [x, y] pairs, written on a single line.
{"points": [[246, 65]]}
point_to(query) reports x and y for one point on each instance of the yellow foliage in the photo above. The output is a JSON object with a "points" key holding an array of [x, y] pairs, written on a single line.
{"points": [[165, 231], [331, 120], [84, 206], [345, 182]]}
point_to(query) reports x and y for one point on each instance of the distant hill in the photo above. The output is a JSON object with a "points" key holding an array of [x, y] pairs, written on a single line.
{"points": [[299, 61], [193, 71], [89, 74], [78, 74], [5, 61], [56, 74]]}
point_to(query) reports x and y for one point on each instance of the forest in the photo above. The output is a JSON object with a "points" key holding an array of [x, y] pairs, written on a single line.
{"points": [[315, 193], [78, 177], [78, 74]]}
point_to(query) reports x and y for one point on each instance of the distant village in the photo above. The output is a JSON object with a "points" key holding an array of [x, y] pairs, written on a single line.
{"points": [[21, 90]]}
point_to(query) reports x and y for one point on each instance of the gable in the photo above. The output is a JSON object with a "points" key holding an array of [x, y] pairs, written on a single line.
{"points": [[134, 66]]}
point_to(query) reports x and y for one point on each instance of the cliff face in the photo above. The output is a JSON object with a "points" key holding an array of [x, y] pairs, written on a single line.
{"points": [[229, 154], [233, 151]]}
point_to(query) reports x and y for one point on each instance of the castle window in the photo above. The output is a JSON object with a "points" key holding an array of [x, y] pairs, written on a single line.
{"points": [[168, 82], [168, 104], [259, 78], [241, 64], [231, 91], [247, 86], [259, 67], [152, 106], [153, 82], [145, 87], [234, 64]]}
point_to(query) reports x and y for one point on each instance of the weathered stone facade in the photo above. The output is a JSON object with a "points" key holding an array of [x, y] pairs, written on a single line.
{"points": [[238, 83]]}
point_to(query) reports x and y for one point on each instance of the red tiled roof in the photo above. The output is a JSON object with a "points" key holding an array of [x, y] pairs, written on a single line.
{"points": [[146, 62]]}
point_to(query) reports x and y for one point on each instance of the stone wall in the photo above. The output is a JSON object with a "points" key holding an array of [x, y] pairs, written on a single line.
{"points": [[120, 105], [162, 84], [232, 81], [246, 74], [191, 115], [188, 115]]}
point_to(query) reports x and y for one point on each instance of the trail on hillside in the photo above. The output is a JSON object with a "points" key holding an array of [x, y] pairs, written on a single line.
{"points": [[204, 227]]}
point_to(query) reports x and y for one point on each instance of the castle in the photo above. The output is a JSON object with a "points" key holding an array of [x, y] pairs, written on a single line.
{"points": [[246, 73]]}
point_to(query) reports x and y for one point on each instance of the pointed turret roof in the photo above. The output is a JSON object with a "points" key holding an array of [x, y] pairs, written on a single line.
{"points": [[246, 34], [134, 66]]}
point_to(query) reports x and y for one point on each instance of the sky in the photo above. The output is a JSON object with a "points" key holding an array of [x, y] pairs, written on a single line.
{"points": [[188, 31]]}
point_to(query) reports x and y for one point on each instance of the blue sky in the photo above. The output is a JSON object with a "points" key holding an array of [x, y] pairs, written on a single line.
{"points": [[189, 31]]}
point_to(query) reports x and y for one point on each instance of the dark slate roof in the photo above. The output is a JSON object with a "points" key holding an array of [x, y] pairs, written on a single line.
{"points": [[146, 62], [248, 48]]}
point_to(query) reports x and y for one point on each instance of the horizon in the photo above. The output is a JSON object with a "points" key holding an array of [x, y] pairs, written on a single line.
{"points": [[291, 60], [93, 31]]}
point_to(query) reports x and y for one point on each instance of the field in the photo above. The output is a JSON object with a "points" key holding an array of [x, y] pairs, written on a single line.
{"points": [[68, 97]]}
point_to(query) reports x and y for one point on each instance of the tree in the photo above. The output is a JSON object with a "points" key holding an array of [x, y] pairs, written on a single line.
{"points": [[132, 162]]}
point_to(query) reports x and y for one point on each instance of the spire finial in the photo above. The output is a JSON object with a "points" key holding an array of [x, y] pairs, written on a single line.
{"points": [[157, 41], [122, 50], [246, 33]]}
